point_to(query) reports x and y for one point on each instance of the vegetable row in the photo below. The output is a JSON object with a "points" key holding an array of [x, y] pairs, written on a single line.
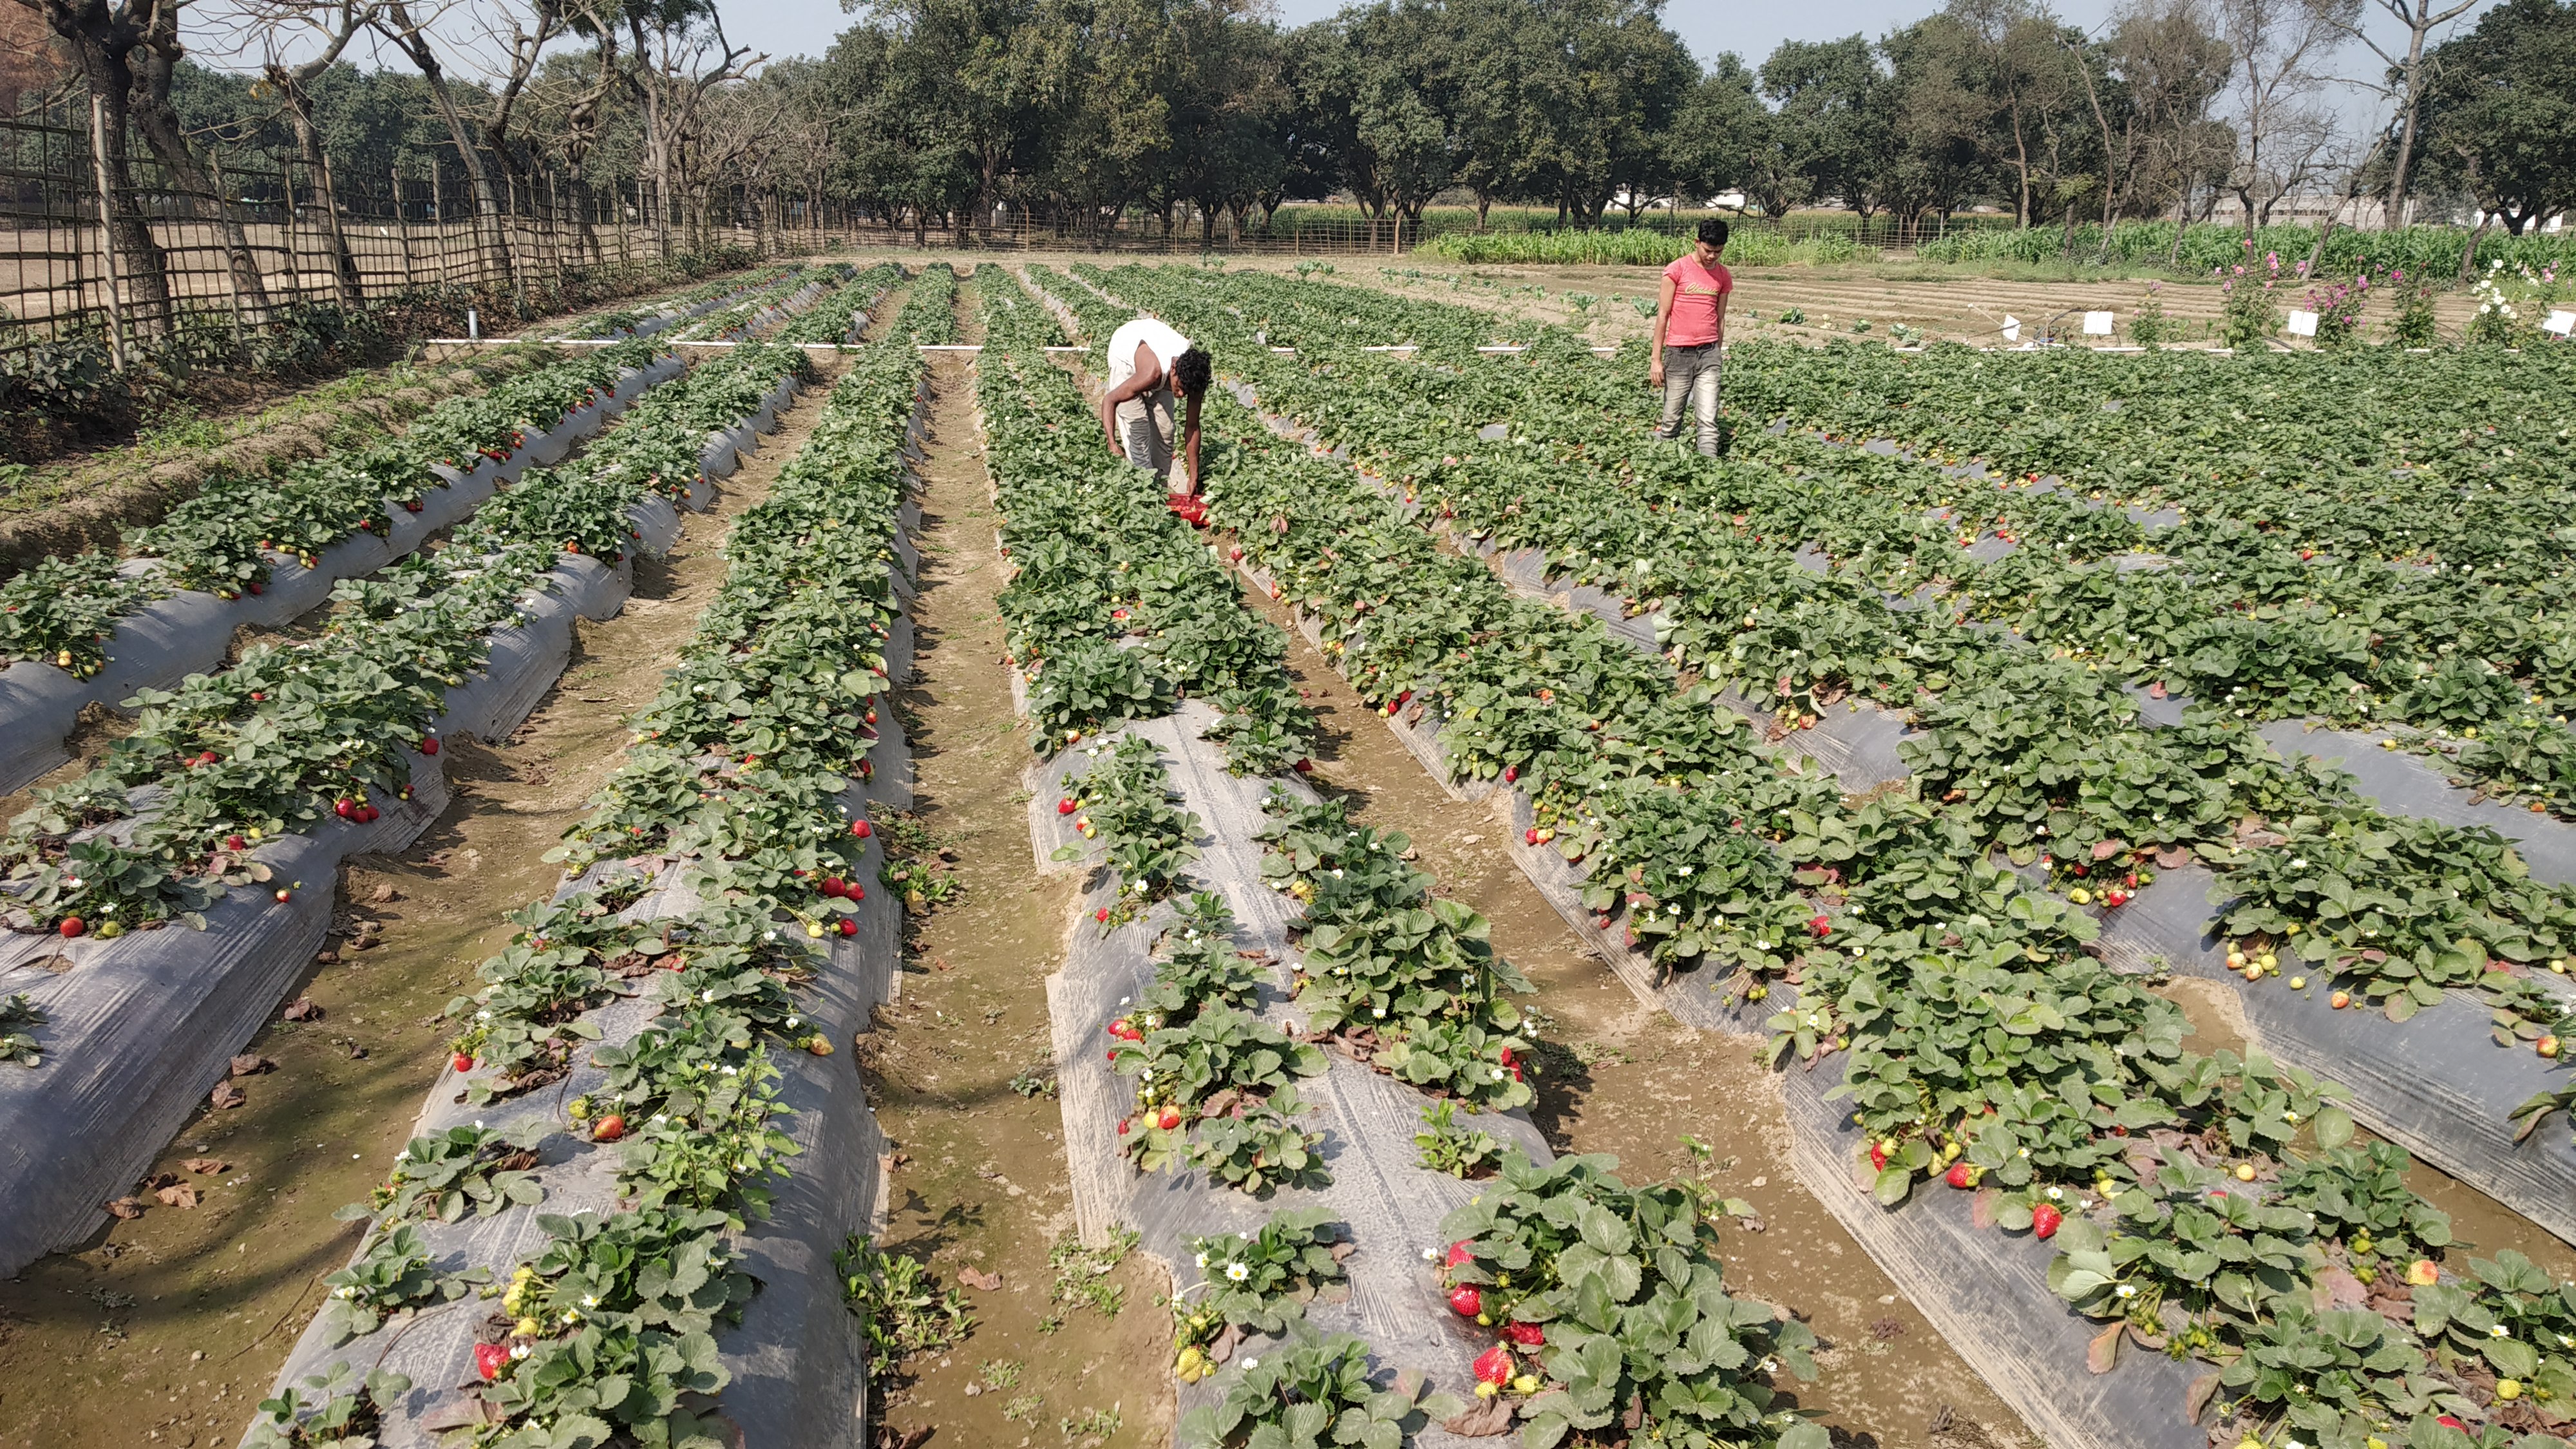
{"points": [[717, 884], [1985, 1046], [1593, 1299]]}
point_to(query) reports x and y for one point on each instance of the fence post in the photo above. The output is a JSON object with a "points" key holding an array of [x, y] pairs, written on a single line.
{"points": [[107, 232], [402, 227]]}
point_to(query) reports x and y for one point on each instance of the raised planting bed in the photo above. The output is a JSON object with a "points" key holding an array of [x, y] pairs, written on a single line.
{"points": [[238, 795], [744, 1151]]}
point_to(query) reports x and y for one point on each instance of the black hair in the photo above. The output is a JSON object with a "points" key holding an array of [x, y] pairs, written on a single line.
{"points": [[1713, 231], [1192, 371]]}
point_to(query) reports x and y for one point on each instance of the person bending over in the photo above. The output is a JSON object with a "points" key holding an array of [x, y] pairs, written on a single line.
{"points": [[1690, 335], [1149, 363]]}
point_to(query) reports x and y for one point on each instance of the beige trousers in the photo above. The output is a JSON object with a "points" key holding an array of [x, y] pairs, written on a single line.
{"points": [[1148, 429]]}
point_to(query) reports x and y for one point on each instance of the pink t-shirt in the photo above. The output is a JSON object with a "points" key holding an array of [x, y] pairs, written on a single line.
{"points": [[1695, 292]]}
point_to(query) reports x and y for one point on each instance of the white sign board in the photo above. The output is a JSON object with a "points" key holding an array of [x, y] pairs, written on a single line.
{"points": [[2560, 323], [2012, 328], [2302, 324], [2097, 324]]}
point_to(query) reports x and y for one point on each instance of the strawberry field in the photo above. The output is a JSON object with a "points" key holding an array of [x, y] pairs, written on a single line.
{"points": [[2124, 803], [1944, 727]]}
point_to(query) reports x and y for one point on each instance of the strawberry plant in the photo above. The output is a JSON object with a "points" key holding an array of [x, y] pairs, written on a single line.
{"points": [[1126, 802], [337, 1407], [719, 1154], [1611, 1313], [61, 611], [2406, 907], [442, 1175], [614, 1322], [1407, 980], [1313, 1392], [1256, 1280], [18, 1018], [1256, 1146], [1444, 1145], [392, 1275]]}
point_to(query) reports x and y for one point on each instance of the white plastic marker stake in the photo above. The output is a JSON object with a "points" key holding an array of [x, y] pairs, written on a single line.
{"points": [[2097, 324], [2302, 323], [2559, 323], [2012, 328]]}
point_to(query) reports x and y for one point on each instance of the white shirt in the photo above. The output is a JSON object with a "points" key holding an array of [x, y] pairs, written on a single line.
{"points": [[1154, 335]]}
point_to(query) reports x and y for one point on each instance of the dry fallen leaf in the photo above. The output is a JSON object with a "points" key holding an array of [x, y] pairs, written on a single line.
{"points": [[974, 1278], [1488, 1418], [125, 1208], [227, 1097], [178, 1194], [205, 1165], [302, 1009], [250, 1064]]}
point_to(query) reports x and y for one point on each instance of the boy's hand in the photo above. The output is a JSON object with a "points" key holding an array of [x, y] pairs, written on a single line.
{"points": [[1655, 371]]}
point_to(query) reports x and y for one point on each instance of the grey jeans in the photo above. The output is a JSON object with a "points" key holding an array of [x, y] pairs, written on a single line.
{"points": [[1690, 376]]}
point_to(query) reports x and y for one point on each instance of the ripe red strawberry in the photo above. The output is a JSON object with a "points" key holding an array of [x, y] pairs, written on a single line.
{"points": [[1878, 1155], [429, 745], [1961, 1175], [833, 885], [1101, 915], [1527, 1335], [1065, 806], [861, 830], [461, 1062], [849, 927], [610, 1128], [1821, 926], [1530, 836], [1168, 1120], [490, 1359], [1123, 1125], [1494, 1366], [73, 926], [235, 842], [1459, 1251], [2044, 1220], [1511, 773], [1466, 1300]]}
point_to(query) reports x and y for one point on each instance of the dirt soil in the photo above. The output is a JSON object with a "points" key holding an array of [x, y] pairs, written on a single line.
{"points": [[169, 1329], [979, 1183]]}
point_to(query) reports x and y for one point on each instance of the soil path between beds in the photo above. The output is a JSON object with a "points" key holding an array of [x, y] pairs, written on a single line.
{"points": [[169, 1329], [962, 1083]]}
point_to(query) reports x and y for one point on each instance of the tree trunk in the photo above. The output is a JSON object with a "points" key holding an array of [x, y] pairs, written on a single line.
{"points": [[161, 131], [143, 267], [2469, 253], [344, 262], [490, 240]]}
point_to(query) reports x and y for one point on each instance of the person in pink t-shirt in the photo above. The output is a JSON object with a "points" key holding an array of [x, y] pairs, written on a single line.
{"points": [[1690, 335]]}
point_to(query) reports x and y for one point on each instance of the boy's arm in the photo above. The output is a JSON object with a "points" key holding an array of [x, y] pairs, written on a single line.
{"points": [[1655, 343], [1190, 438]]}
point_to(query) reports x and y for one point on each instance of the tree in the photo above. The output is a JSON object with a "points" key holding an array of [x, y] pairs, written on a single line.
{"points": [[128, 51], [2173, 64], [2277, 51], [1719, 138], [1832, 101], [2500, 113], [2406, 74]]}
